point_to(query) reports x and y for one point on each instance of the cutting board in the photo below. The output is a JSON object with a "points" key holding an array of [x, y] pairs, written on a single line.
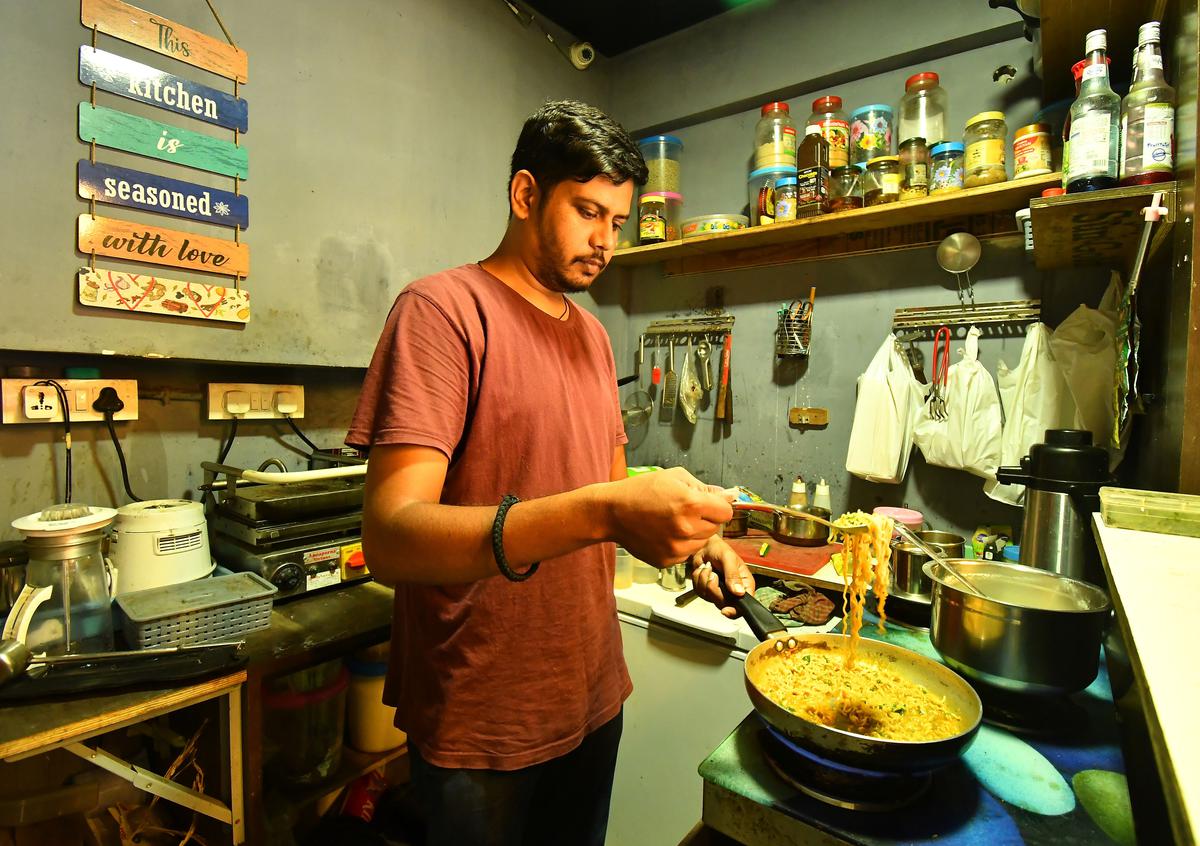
{"points": [[801, 560]]}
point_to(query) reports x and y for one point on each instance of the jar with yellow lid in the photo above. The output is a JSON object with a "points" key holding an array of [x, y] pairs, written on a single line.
{"points": [[983, 163], [882, 183]]}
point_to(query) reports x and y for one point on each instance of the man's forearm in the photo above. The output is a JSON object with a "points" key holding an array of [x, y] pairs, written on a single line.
{"points": [[429, 543]]}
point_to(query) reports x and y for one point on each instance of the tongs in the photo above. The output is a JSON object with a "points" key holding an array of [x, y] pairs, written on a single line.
{"points": [[936, 555]]}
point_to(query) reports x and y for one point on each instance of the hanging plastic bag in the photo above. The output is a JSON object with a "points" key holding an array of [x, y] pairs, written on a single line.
{"points": [[1035, 398], [968, 437], [1084, 345], [889, 397]]}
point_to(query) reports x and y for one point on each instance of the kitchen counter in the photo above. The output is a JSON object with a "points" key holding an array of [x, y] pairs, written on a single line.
{"points": [[1154, 580], [1061, 787]]}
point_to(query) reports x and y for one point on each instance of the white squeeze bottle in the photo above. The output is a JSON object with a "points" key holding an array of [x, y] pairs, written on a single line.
{"points": [[821, 496], [799, 497]]}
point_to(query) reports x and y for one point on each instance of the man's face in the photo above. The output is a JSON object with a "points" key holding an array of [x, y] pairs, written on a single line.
{"points": [[575, 225]]}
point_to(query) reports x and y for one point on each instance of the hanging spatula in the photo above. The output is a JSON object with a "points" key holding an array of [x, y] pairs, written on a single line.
{"points": [[670, 386]]}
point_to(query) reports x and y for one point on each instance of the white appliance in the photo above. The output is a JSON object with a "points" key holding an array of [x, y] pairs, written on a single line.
{"points": [[159, 542]]}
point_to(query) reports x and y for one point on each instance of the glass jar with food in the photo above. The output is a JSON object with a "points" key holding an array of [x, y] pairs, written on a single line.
{"points": [[775, 137], [786, 193], [983, 163], [914, 169], [946, 168], [882, 181], [835, 128], [845, 188], [664, 206], [1031, 151]]}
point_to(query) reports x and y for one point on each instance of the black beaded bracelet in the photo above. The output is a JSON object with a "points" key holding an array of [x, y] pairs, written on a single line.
{"points": [[498, 543]]}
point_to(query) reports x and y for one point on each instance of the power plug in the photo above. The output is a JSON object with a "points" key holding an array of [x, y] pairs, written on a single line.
{"points": [[108, 401], [286, 404], [41, 402], [237, 403]]}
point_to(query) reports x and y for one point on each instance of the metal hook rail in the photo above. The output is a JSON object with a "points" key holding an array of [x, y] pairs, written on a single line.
{"points": [[660, 331], [1012, 312]]}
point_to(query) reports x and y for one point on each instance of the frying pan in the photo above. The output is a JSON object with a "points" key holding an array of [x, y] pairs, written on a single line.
{"points": [[838, 745]]}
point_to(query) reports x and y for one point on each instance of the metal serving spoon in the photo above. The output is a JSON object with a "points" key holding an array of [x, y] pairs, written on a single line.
{"points": [[791, 512]]}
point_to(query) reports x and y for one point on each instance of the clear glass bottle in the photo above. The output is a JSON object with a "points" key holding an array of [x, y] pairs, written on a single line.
{"points": [[923, 109], [914, 169], [983, 162], [835, 128], [1148, 116], [775, 137], [1095, 123]]}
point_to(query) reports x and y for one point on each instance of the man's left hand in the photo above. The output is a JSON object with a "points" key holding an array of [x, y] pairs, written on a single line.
{"points": [[717, 555]]}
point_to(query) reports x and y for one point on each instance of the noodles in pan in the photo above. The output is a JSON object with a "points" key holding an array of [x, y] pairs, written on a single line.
{"points": [[867, 560]]}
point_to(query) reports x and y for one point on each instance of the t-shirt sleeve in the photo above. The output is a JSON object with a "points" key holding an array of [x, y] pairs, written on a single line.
{"points": [[417, 388]]}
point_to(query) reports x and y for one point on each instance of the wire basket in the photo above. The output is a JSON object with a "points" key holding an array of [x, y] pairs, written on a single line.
{"points": [[793, 333], [204, 611]]}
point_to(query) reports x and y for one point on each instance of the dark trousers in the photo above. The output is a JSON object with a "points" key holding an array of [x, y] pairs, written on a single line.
{"points": [[563, 802]]}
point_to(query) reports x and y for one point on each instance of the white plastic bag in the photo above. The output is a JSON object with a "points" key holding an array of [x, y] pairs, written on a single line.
{"points": [[1084, 346], [1035, 397], [889, 397], [969, 438]]}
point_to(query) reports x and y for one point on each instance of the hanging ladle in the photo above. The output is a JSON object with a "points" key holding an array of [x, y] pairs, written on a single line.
{"points": [[936, 555], [15, 657]]}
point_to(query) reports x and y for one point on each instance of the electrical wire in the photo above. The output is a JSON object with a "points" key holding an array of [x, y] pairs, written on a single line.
{"points": [[340, 459], [233, 428], [112, 431], [66, 413]]}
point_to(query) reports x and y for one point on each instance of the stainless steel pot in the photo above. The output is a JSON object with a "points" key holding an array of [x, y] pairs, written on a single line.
{"points": [[1032, 631], [947, 543], [13, 558], [908, 578], [737, 526], [797, 531]]}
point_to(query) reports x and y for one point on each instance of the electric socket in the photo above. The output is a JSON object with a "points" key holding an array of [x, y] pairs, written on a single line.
{"points": [[250, 401], [25, 402]]}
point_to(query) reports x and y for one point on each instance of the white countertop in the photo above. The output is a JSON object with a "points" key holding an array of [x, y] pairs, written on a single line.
{"points": [[654, 604], [1155, 580]]}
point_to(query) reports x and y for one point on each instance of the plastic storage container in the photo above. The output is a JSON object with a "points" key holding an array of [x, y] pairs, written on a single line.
{"points": [[914, 520], [706, 224], [774, 137], [623, 574], [923, 110], [870, 133], [882, 183], [662, 155], [983, 163], [835, 128], [203, 611], [760, 186], [370, 724], [845, 189], [1151, 511], [1031, 151], [946, 168], [658, 217], [304, 719]]}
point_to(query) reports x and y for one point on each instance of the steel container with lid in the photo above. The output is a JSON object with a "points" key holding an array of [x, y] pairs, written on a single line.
{"points": [[1063, 477]]}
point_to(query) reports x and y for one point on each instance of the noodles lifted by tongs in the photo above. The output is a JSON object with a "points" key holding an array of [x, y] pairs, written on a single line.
{"points": [[867, 560]]}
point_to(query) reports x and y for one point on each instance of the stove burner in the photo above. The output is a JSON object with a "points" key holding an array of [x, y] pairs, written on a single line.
{"points": [[837, 784], [1031, 714]]}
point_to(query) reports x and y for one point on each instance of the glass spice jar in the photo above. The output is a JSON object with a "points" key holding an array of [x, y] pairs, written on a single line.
{"points": [[1031, 151], [786, 194], [652, 219], [845, 189], [983, 163], [882, 181], [914, 169], [946, 174]]}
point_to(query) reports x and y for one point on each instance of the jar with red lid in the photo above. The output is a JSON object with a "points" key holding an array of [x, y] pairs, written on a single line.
{"points": [[835, 128], [775, 137], [923, 110]]}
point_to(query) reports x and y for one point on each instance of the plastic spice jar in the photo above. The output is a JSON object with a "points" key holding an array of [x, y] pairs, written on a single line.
{"points": [[983, 163], [946, 168], [882, 181], [786, 192], [775, 137], [661, 153], [1031, 151], [658, 217], [923, 109], [870, 133], [835, 128], [914, 169], [845, 189]]}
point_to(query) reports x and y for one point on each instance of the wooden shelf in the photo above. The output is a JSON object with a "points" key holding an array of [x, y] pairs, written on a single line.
{"points": [[986, 212], [290, 801], [1096, 227]]}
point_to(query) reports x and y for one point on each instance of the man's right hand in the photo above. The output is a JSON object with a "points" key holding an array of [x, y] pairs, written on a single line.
{"points": [[664, 517]]}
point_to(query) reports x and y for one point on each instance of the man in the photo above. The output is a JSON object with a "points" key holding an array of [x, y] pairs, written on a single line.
{"points": [[491, 411]]}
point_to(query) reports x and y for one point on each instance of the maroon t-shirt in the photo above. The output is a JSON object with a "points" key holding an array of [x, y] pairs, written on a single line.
{"points": [[497, 674]]}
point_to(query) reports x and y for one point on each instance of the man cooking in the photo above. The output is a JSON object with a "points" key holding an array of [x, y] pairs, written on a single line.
{"points": [[495, 491]]}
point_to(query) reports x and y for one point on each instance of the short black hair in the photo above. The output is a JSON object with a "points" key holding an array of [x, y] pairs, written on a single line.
{"points": [[566, 139]]}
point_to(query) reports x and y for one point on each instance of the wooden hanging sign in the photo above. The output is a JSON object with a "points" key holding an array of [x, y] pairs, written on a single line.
{"points": [[147, 294], [125, 239], [154, 32], [131, 79], [120, 186], [146, 137]]}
